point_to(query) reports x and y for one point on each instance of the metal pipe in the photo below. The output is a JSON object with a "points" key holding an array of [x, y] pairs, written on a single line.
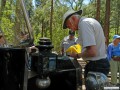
{"points": [[26, 19], [31, 38]]}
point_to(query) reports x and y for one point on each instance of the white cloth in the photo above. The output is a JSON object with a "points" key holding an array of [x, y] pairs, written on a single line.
{"points": [[66, 42]]}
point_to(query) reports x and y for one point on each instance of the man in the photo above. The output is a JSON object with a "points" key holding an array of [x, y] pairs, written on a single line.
{"points": [[2, 40], [24, 37], [113, 53], [92, 40], [68, 41]]}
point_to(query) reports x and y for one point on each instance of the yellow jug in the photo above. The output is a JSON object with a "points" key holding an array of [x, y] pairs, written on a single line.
{"points": [[74, 49]]}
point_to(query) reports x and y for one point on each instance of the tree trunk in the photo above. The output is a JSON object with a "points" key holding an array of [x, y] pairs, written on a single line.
{"points": [[42, 34], [106, 22], [98, 10], [51, 16], [17, 23], [118, 16]]}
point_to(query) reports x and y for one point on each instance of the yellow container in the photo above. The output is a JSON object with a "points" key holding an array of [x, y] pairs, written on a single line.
{"points": [[74, 49]]}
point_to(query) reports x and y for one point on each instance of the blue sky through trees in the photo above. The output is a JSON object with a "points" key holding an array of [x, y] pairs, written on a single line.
{"points": [[84, 1]]}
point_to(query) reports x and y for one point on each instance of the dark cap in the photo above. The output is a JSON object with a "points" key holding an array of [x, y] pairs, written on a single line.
{"points": [[71, 32]]}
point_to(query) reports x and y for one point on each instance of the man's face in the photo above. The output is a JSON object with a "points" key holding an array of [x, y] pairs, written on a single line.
{"points": [[2, 41], [118, 39], [24, 36], [71, 24], [71, 37]]}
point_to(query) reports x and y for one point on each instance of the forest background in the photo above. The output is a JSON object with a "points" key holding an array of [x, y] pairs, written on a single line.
{"points": [[46, 18]]}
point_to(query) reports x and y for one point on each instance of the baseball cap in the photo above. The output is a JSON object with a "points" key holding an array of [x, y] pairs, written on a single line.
{"points": [[116, 36], [68, 14], [71, 32]]}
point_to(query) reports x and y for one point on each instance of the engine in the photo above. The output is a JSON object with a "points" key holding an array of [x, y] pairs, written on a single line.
{"points": [[41, 70]]}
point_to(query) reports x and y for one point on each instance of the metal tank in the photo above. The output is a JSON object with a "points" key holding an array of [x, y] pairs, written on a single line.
{"points": [[12, 68]]}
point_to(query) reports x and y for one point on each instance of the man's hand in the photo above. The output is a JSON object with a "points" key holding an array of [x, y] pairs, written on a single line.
{"points": [[75, 55], [32, 49], [116, 58]]}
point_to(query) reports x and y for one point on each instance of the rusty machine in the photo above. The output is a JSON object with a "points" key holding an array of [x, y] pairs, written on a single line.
{"points": [[39, 70], [51, 71]]}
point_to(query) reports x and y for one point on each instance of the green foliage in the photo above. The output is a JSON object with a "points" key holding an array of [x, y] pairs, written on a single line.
{"points": [[42, 14], [6, 24], [40, 18], [111, 34]]}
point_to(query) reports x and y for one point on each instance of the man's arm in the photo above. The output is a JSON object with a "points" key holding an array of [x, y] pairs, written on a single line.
{"points": [[62, 51], [90, 51]]}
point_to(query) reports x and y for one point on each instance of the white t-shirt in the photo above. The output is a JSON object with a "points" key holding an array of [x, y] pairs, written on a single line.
{"points": [[66, 42], [91, 33]]}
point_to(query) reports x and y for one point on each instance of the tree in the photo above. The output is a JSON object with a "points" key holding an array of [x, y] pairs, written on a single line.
{"points": [[3, 3], [51, 16], [118, 16], [98, 10], [107, 20]]}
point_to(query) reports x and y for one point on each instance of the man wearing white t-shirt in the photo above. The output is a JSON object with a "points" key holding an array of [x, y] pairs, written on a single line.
{"points": [[68, 41], [92, 40]]}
